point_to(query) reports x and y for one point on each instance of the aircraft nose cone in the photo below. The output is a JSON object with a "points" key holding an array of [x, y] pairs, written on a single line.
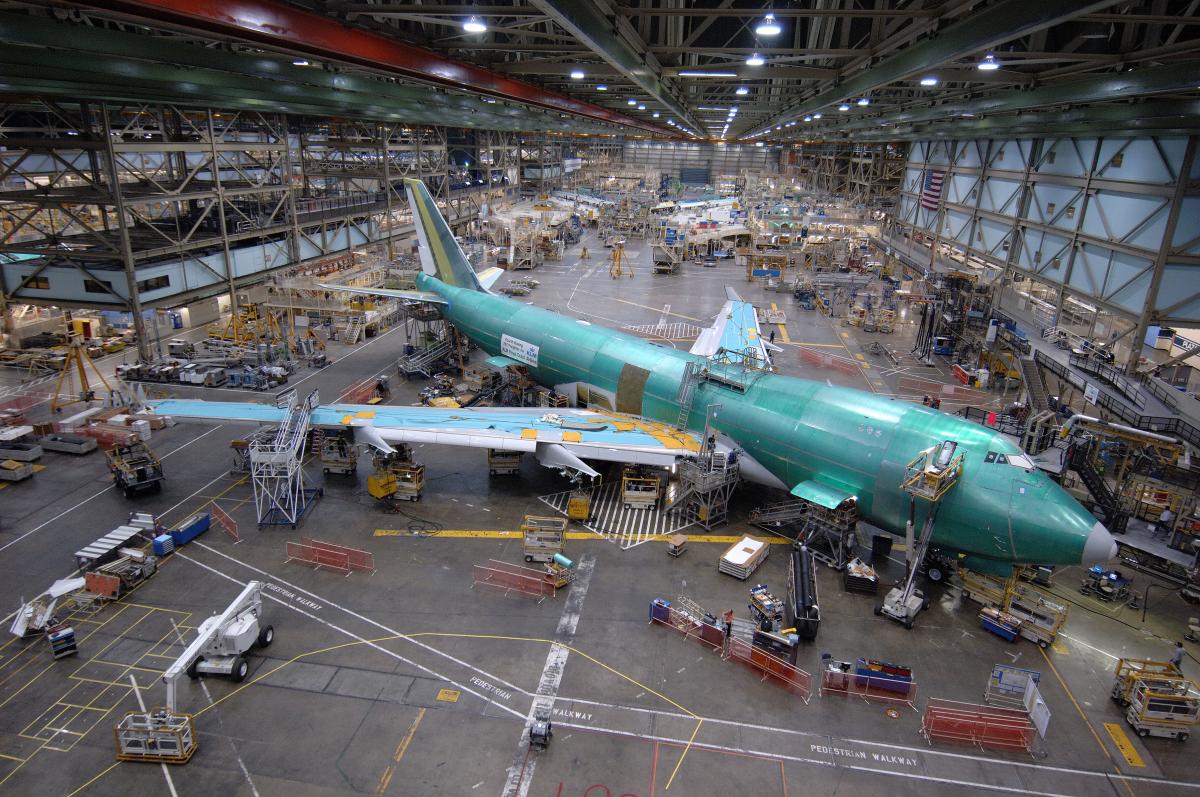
{"points": [[1100, 546]]}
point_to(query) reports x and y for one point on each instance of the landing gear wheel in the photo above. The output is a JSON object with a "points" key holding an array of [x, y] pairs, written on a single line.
{"points": [[528, 558], [1181, 736], [1043, 643], [1143, 732], [266, 636], [878, 610], [240, 669], [935, 574], [908, 624], [191, 668]]}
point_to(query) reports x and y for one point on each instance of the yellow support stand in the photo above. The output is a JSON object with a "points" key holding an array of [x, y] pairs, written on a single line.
{"points": [[77, 358], [617, 267]]}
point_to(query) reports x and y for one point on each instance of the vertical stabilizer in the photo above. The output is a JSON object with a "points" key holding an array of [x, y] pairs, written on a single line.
{"points": [[441, 256]]}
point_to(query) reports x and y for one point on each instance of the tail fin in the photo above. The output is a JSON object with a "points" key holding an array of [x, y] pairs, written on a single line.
{"points": [[441, 256]]}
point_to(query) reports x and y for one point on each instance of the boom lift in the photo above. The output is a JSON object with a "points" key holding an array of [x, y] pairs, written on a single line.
{"points": [[929, 477], [221, 642]]}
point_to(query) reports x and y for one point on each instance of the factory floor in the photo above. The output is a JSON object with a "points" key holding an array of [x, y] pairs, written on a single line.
{"points": [[410, 681]]}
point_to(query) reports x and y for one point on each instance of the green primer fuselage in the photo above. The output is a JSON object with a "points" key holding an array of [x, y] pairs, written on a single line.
{"points": [[802, 429]]}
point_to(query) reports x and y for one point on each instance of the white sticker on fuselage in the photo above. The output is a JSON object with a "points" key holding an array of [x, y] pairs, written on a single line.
{"points": [[519, 350]]}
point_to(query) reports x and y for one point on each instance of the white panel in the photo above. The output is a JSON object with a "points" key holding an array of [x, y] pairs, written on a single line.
{"points": [[1180, 283], [1070, 158], [1187, 228], [1132, 218], [1010, 155], [1000, 195]]}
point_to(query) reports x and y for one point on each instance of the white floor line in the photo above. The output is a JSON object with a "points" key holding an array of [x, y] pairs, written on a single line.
{"points": [[520, 773], [35, 529], [354, 636]]}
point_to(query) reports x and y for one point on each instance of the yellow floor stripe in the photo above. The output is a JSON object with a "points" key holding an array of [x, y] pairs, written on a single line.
{"points": [[1124, 745], [480, 534], [783, 333]]}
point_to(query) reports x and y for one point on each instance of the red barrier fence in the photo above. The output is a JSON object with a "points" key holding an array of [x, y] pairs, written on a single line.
{"points": [[356, 558], [512, 578], [789, 676], [822, 359], [229, 524], [868, 687], [359, 392], [318, 558], [983, 726], [915, 385], [711, 635]]}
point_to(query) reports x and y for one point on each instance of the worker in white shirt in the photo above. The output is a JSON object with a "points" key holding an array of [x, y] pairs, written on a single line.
{"points": [[1177, 656], [1164, 521]]}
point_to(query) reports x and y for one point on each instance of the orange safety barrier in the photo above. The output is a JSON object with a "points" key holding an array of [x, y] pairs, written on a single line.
{"points": [[356, 558], [825, 360], [107, 436], [983, 726], [102, 584], [227, 523], [789, 676], [711, 635], [524, 580], [868, 687], [318, 558]]}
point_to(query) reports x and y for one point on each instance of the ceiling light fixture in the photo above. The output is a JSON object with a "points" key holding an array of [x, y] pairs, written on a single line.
{"points": [[816, 116], [602, 87], [843, 107], [475, 25], [863, 102], [631, 102], [755, 60], [988, 64], [301, 62], [768, 26], [742, 90], [929, 81], [691, 73], [808, 118], [655, 114], [577, 75], [641, 107]]}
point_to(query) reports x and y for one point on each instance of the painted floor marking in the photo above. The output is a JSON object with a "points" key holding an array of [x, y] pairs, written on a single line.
{"points": [[483, 534], [1123, 744], [613, 521]]}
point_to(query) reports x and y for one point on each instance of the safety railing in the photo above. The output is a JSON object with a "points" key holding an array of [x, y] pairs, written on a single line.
{"points": [[987, 727], [770, 667], [327, 554], [868, 687], [1124, 385], [689, 626], [227, 523], [513, 578], [926, 387], [1178, 427]]}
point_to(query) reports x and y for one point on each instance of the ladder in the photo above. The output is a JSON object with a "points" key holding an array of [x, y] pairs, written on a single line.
{"points": [[277, 466], [420, 361], [687, 390], [352, 329], [1032, 377]]}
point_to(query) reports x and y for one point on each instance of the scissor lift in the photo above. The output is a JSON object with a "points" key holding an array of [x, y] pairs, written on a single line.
{"points": [[931, 475]]}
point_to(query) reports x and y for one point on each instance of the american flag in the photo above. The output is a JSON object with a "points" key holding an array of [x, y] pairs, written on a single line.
{"points": [[931, 189]]}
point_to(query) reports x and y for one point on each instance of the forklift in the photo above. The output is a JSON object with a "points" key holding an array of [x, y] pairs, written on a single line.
{"points": [[135, 468]]}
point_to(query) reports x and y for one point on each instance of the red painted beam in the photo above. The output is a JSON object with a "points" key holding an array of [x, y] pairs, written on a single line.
{"points": [[277, 25]]}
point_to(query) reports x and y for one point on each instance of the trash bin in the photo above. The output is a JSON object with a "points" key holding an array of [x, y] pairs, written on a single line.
{"points": [[881, 547]]}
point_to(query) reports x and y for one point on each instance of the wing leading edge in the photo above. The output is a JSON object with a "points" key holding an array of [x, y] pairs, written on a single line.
{"points": [[560, 439]]}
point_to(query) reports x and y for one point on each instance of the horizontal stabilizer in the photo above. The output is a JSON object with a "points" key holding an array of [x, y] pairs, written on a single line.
{"points": [[412, 296]]}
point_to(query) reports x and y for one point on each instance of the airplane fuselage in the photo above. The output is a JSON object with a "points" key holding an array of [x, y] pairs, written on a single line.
{"points": [[797, 429]]}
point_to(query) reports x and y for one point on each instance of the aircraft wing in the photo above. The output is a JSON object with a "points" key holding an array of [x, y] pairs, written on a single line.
{"points": [[560, 438], [736, 331], [412, 296]]}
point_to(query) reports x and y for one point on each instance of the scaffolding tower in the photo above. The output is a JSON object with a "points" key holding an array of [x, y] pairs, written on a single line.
{"points": [[705, 485], [277, 465]]}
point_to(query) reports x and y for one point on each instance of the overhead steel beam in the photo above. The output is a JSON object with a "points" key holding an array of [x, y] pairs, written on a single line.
{"points": [[601, 32], [294, 30], [1123, 119], [1179, 77], [167, 70], [985, 29]]}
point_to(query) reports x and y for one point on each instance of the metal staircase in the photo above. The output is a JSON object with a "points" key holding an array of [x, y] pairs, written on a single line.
{"points": [[1032, 377], [687, 389], [1083, 463], [421, 361], [706, 484], [277, 465]]}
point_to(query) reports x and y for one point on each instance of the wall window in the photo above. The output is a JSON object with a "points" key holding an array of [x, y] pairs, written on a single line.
{"points": [[1117, 160], [97, 286], [38, 283], [153, 284]]}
